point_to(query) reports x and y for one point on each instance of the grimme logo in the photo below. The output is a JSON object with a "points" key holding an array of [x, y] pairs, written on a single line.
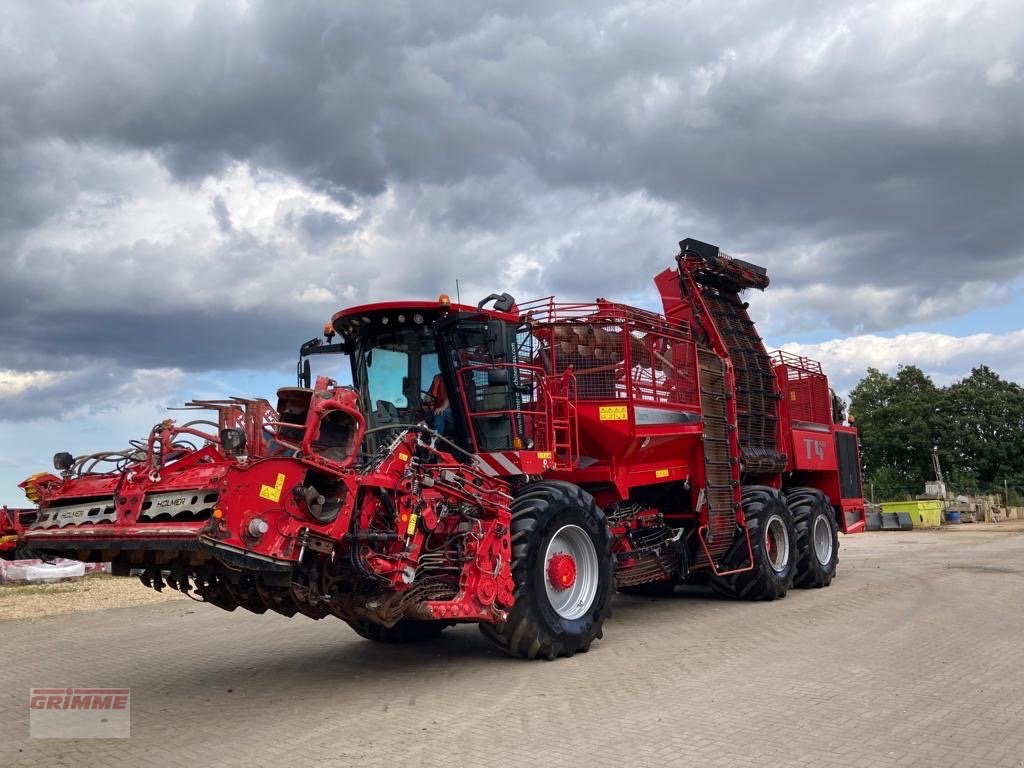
{"points": [[79, 713]]}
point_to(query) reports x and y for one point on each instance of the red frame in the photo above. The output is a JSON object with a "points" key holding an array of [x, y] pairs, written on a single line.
{"points": [[632, 420]]}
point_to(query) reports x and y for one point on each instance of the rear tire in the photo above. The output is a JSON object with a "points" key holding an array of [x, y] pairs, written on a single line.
{"points": [[405, 631], [772, 538], [554, 522], [817, 537]]}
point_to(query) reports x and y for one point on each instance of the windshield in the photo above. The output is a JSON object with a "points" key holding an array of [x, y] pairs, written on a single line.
{"points": [[396, 374], [403, 380]]}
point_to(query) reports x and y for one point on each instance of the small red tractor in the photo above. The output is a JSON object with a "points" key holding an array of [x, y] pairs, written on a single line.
{"points": [[510, 465]]}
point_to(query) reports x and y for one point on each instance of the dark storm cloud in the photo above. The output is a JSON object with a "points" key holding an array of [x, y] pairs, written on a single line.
{"points": [[194, 341], [857, 149]]}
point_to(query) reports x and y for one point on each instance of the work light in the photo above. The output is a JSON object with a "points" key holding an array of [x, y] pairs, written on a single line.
{"points": [[232, 440]]}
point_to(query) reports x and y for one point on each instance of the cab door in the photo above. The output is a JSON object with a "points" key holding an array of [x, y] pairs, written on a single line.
{"points": [[477, 364]]}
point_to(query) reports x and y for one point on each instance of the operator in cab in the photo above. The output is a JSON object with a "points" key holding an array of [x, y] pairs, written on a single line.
{"points": [[439, 413]]}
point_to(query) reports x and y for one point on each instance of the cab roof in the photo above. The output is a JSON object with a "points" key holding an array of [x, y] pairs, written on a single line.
{"points": [[406, 312]]}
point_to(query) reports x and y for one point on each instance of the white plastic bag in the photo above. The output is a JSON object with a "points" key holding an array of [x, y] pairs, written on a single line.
{"points": [[36, 571]]}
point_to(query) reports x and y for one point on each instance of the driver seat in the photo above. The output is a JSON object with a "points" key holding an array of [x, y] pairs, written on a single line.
{"points": [[386, 413]]}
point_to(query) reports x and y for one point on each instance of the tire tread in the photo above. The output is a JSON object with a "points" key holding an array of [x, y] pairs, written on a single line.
{"points": [[761, 582], [803, 503], [525, 634]]}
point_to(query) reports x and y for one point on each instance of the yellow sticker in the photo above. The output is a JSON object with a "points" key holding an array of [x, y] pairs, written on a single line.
{"points": [[612, 413], [411, 529], [661, 473], [403, 457], [273, 492], [792, 394], [543, 455]]}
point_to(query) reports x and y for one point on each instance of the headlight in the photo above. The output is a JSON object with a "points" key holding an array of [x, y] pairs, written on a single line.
{"points": [[63, 461]]}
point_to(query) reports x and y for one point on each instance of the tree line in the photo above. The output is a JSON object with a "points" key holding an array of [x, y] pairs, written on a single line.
{"points": [[976, 424]]}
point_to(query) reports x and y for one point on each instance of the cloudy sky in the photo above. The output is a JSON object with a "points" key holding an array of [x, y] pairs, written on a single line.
{"points": [[189, 189]]}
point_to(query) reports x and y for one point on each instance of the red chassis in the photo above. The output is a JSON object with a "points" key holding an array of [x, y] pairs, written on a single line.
{"points": [[510, 466]]}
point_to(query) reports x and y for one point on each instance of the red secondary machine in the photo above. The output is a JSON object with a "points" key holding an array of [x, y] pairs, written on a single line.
{"points": [[507, 464]]}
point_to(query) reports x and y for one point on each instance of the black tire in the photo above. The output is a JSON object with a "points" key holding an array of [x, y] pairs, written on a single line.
{"points": [[533, 628], [811, 509], [761, 506], [405, 631]]}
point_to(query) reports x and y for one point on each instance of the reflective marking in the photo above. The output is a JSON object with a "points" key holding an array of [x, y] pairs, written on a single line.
{"points": [[511, 468], [484, 467], [661, 473]]}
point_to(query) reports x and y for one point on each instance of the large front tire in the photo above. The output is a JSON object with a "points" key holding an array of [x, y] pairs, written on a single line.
{"points": [[563, 572], [770, 524], [817, 537]]}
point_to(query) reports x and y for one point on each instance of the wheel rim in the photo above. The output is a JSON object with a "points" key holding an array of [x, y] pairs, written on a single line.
{"points": [[822, 540], [571, 572], [776, 543]]}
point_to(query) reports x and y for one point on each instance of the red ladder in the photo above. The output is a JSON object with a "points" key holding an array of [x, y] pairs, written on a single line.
{"points": [[563, 425]]}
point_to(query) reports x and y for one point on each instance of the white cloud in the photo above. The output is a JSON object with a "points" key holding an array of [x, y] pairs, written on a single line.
{"points": [[945, 357], [18, 382], [162, 244], [151, 384], [787, 308], [1001, 72]]}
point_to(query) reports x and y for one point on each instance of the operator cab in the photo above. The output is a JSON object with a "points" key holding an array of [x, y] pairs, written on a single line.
{"points": [[452, 367]]}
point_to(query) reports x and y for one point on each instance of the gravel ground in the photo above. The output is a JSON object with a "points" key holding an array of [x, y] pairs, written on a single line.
{"points": [[91, 593]]}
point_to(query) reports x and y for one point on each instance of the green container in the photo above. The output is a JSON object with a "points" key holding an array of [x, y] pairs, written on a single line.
{"points": [[925, 514]]}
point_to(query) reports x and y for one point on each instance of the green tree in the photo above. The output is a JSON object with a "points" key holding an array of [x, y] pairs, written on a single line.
{"points": [[962, 480], [898, 418], [983, 426], [887, 484]]}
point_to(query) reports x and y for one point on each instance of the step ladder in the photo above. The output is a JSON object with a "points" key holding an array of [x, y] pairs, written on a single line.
{"points": [[563, 428]]}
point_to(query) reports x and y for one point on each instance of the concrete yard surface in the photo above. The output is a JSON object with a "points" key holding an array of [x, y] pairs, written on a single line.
{"points": [[913, 657]]}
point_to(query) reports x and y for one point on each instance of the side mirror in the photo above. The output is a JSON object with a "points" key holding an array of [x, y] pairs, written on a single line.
{"points": [[497, 340], [305, 375], [503, 302]]}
